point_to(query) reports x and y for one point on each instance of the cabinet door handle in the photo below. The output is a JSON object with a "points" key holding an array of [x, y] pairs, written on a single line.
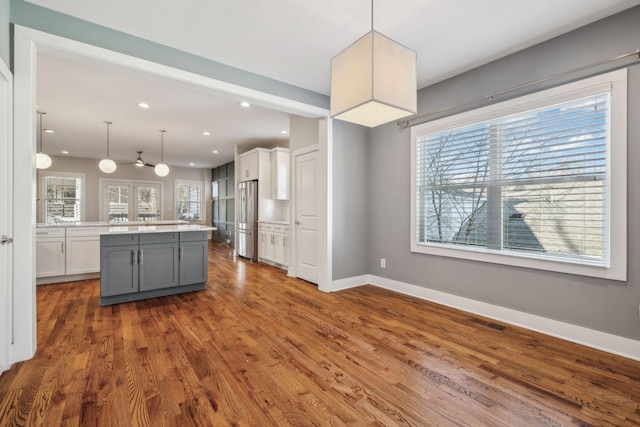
{"points": [[134, 257], [272, 239], [61, 247], [182, 253], [140, 256]]}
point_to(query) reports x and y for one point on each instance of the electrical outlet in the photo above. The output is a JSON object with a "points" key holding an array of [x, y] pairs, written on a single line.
{"points": [[383, 263]]}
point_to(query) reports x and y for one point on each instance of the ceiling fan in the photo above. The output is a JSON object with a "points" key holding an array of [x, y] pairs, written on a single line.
{"points": [[139, 162]]}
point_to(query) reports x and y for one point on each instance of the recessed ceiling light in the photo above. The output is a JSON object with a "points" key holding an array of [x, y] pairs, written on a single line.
{"points": [[245, 104], [49, 131], [215, 151], [284, 132], [143, 105], [64, 152], [206, 133]]}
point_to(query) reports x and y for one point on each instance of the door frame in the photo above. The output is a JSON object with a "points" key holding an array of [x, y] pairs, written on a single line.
{"points": [[27, 42], [324, 215], [6, 169]]}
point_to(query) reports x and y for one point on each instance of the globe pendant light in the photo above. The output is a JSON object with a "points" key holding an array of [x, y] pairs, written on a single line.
{"points": [[107, 165], [373, 81], [43, 161], [162, 169]]}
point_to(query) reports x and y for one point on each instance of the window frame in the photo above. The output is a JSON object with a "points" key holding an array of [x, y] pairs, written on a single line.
{"points": [[179, 182], [616, 177], [43, 192]]}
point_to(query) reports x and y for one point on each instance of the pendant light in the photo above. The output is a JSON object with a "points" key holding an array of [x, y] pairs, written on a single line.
{"points": [[43, 161], [373, 81], [162, 169], [107, 165]]}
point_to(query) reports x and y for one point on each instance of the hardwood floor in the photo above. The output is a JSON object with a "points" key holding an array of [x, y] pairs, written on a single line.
{"points": [[258, 348]]}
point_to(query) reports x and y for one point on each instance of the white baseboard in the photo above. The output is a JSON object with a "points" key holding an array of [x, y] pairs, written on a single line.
{"points": [[349, 282], [610, 343]]}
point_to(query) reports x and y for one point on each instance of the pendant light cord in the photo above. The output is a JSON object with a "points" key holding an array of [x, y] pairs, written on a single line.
{"points": [[162, 131], [108, 123], [41, 113], [371, 15]]}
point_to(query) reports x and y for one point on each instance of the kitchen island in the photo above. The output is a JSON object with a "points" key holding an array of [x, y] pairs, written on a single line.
{"points": [[68, 251], [139, 262]]}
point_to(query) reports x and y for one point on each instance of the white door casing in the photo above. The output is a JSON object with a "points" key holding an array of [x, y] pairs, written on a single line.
{"points": [[306, 216], [6, 223]]}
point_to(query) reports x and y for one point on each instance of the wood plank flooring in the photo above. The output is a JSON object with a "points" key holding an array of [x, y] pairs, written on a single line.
{"points": [[258, 348]]}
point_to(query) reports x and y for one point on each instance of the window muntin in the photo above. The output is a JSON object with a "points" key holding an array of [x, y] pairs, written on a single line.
{"points": [[529, 179], [63, 195], [189, 200]]}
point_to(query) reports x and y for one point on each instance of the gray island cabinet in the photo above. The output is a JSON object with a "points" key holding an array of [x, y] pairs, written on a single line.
{"points": [[152, 263]]}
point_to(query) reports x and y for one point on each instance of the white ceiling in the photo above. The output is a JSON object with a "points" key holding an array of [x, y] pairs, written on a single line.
{"points": [[286, 40]]}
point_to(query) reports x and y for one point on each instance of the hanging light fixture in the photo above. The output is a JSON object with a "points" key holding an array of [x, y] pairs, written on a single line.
{"points": [[373, 81], [162, 169], [43, 161], [139, 162], [107, 165]]}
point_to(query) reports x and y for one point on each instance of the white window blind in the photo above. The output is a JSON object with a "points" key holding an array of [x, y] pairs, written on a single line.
{"points": [[518, 181]]}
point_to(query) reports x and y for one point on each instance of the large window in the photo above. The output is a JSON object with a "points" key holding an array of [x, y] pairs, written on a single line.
{"points": [[538, 181], [63, 197], [189, 201]]}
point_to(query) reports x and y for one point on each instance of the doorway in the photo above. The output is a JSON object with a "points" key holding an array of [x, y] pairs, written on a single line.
{"points": [[27, 43]]}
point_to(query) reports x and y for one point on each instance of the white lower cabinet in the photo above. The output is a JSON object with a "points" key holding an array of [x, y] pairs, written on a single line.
{"points": [[66, 251], [50, 252], [273, 239]]}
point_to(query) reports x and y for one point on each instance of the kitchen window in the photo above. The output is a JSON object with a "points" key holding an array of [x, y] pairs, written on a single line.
{"points": [[63, 196], [538, 182], [189, 200]]}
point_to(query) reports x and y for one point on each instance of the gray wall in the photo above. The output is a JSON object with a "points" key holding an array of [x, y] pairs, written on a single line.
{"points": [[607, 306], [5, 44], [132, 173], [350, 194], [49, 21]]}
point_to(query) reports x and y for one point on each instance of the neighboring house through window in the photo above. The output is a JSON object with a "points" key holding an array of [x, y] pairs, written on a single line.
{"points": [[189, 200], [63, 197], [538, 181]]}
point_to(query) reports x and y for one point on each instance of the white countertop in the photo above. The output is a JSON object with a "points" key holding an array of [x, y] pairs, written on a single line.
{"points": [[112, 224], [135, 229], [285, 222]]}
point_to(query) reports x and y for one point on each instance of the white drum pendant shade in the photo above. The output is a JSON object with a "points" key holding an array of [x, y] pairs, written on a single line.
{"points": [[373, 81]]}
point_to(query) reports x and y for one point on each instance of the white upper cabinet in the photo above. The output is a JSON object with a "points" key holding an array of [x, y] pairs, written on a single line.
{"points": [[248, 166], [279, 165]]}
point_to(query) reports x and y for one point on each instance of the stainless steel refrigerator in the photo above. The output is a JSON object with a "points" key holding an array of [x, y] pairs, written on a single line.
{"points": [[247, 241]]}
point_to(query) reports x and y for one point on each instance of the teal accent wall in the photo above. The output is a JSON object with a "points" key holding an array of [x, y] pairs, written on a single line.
{"points": [[5, 32], [49, 21]]}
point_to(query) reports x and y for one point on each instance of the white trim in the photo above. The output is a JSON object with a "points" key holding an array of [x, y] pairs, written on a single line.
{"points": [[62, 47], [610, 343], [617, 181], [349, 282], [6, 168]]}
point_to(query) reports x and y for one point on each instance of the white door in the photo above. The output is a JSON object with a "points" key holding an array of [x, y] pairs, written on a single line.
{"points": [[307, 205], [6, 270], [126, 201]]}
